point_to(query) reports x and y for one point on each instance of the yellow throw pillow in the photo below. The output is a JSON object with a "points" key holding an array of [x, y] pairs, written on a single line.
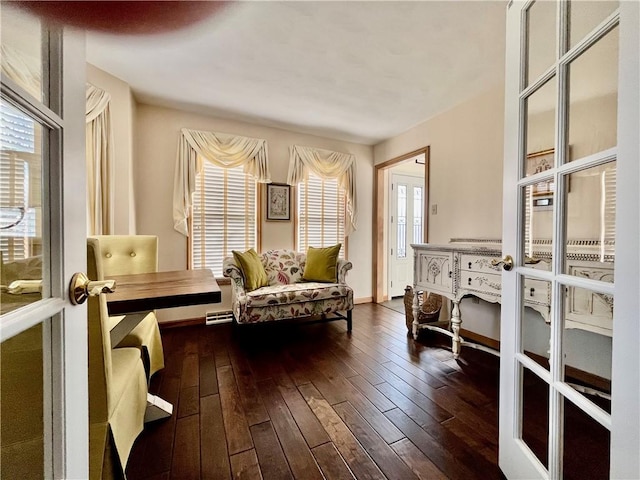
{"points": [[252, 269], [322, 264]]}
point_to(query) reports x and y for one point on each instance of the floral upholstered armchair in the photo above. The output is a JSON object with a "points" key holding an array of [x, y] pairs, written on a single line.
{"points": [[287, 295]]}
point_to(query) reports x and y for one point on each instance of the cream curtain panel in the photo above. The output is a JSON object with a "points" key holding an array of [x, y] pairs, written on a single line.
{"points": [[24, 70], [221, 149], [326, 164], [99, 151]]}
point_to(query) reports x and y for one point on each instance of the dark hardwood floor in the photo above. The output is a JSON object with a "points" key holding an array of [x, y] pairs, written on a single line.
{"points": [[311, 401]]}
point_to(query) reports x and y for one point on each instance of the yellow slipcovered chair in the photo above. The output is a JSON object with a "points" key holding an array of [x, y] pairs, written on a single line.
{"points": [[130, 254], [117, 387]]}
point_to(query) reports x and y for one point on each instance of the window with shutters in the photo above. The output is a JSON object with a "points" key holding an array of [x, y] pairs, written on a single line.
{"points": [[17, 200], [320, 214], [224, 216]]}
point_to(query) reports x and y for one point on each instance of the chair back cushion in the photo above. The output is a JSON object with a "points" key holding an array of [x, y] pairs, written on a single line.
{"points": [[128, 254]]}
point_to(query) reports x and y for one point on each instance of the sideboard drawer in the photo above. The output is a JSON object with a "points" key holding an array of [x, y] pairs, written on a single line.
{"points": [[536, 291], [434, 271], [479, 263], [479, 282]]}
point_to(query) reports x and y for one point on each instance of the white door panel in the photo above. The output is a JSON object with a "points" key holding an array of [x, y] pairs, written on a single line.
{"points": [[43, 337], [570, 198]]}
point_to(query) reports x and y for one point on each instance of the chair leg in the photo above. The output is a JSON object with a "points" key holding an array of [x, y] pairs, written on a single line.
{"points": [[349, 320]]}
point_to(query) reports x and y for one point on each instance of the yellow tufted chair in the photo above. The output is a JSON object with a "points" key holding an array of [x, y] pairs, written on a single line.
{"points": [[117, 387], [130, 254]]}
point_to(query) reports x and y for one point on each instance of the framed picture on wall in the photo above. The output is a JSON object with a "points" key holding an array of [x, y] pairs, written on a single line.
{"points": [[278, 201], [538, 162]]}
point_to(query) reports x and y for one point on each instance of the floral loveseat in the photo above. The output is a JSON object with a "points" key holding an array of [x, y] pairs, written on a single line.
{"points": [[288, 295]]}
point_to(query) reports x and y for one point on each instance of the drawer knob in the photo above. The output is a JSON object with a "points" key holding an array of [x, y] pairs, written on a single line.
{"points": [[532, 291], [469, 265], [450, 273], [469, 281]]}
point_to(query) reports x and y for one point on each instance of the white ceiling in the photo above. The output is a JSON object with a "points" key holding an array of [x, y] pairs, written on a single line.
{"points": [[354, 71]]}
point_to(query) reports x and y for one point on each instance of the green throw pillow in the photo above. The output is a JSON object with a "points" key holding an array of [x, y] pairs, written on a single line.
{"points": [[252, 269], [322, 264]]}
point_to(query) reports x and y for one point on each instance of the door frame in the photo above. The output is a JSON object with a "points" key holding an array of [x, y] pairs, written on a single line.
{"points": [[380, 230]]}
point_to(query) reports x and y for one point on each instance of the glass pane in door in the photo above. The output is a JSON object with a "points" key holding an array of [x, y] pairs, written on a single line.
{"points": [[585, 16], [591, 223], [22, 405], [541, 38], [587, 348], [535, 415], [538, 228], [540, 130], [21, 58], [418, 206], [402, 222], [21, 213], [536, 320], [586, 446], [593, 98]]}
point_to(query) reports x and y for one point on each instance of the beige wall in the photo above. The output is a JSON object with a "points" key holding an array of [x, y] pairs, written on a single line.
{"points": [[157, 132], [122, 114]]}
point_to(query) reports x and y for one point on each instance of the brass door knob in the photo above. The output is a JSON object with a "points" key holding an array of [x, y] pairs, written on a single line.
{"points": [[82, 288], [506, 262]]}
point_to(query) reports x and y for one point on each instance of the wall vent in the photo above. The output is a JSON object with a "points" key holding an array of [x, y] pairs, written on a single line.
{"points": [[214, 318]]}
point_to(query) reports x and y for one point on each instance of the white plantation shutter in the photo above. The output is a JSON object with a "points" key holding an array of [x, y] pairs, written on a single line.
{"points": [[224, 216], [17, 218], [321, 214]]}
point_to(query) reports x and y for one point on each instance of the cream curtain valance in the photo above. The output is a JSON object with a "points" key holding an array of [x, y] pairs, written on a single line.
{"points": [[221, 149], [99, 151], [326, 164]]}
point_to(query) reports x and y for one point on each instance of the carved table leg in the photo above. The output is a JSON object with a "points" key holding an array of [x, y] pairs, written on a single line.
{"points": [[456, 321], [416, 310]]}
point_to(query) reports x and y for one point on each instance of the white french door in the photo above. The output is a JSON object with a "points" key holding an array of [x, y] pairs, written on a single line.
{"points": [[43, 338], [406, 217], [571, 203]]}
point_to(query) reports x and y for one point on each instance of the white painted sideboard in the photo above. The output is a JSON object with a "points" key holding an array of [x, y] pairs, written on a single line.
{"points": [[464, 268]]}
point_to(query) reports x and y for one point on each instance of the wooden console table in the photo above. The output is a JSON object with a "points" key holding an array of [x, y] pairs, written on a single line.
{"points": [[463, 268]]}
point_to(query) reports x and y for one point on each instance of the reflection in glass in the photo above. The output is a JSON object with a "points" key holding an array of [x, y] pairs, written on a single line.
{"points": [[536, 329], [541, 38], [417, 215], [586, 446], [588, 332], [402, 221], [538, 228], [591, 223], [21, 398], [593, 98], [21, 56], [20, 209], [541, 133], [535, 415], [585, 16]]}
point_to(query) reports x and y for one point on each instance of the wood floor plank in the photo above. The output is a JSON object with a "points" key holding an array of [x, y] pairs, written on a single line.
{"points": [[208, 380], [293, 443], [235, 423], [417, 461], [185, 463], [353, 453], [189, 402], [384, 456], [381, 402], [270, 455], [254, 410], [331, 463], [190, 371], [244, 466], [214, 455], [375, 417]]}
